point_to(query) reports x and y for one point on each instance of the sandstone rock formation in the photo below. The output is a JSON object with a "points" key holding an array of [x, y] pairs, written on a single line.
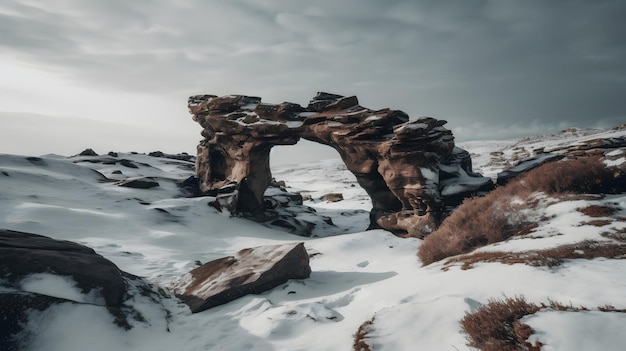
{"points": [[250, 271], [398, 162]]}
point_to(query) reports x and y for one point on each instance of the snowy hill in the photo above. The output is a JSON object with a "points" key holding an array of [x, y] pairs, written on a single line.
{"points": [[358, 276]]}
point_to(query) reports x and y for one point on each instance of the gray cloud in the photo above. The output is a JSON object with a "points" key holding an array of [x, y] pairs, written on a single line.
{"points": [[504, 64]]}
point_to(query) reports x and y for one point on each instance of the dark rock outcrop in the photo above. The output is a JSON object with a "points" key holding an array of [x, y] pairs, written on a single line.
{"points": [[250, 271], [22, 254], [395, 160], [138, 183], [88, 152], [183, 156], [102, 282], [526, 165], [13, 307]]}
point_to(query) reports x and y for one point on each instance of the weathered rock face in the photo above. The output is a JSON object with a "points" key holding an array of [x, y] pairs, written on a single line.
{"points": [[250, 271], [239, 132], [395, 160]]}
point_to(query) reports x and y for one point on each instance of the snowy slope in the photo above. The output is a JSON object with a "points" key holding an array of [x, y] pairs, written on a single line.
{"points": [[159, 234]]}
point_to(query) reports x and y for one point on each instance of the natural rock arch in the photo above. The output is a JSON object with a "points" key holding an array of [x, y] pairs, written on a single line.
{"points": [[411, 170]]}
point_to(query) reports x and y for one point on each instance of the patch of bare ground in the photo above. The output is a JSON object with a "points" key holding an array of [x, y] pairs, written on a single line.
{"points": [[553, 257], [597, 222], [360, 338], [502, 213], [597, 211], [496, 326]]}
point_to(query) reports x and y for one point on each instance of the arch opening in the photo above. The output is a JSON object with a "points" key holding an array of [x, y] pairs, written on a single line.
{"points": [[410, 170]]}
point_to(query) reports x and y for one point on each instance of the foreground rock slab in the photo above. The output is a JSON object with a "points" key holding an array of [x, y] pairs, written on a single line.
{"points": [[37, 272], [23, 254], [250, 271]]}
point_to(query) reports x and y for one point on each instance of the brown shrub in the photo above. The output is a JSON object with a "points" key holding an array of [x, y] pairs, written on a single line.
{"points": [[597, 211], [360, 337], [493, 327], [478, 222], [499, 215], [585, 175], [619, 235], [611, 308], [548, 258], [597, 222], [496, 326]]}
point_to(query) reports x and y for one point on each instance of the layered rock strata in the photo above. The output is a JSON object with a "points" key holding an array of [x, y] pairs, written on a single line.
{"points": [[411, 170]]}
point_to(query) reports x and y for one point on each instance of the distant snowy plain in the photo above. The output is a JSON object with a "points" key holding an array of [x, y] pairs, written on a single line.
{"points": [[357, 274]]}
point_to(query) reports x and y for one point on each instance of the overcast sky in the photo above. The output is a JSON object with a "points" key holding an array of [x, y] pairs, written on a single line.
{"points": [[494, 69]]}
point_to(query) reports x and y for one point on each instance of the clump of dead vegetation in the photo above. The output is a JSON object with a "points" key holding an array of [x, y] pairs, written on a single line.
{"points": [[497, 325], [585, 175], [597, 211], [553, 257], [502, 213], [618, 234], [360, 338]]}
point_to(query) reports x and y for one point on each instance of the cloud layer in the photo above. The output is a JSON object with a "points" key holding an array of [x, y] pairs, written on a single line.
{"points": [[492, 68]]}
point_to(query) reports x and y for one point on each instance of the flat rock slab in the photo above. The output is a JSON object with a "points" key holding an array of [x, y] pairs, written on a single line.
{"points": [[250, 271], [526, 165], [139, 183]]}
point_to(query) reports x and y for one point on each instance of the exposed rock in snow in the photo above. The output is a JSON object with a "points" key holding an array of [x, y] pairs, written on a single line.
{"points": [[332, 197], [395, 160], [24, 254], [38, 272], [139, 183], [13, 309], [88, 152], [250, 271], [526, 165]]}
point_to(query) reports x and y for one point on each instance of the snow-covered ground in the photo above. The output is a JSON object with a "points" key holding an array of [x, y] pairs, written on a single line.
{"points": [[160, 234]]}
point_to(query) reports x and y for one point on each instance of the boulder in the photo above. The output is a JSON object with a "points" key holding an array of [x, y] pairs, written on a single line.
{"points": [[27, 258], [396, 161], [250, 271], [23, 254], [332, 197], [138, 183]]}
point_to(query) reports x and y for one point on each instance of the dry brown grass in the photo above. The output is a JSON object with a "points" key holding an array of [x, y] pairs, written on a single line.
{"points": [[597, 222], [500, 214], [585, 175], [618, 234], [479, 222], [548, 258], [360, 342], [496, 326], [597, 211]]}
